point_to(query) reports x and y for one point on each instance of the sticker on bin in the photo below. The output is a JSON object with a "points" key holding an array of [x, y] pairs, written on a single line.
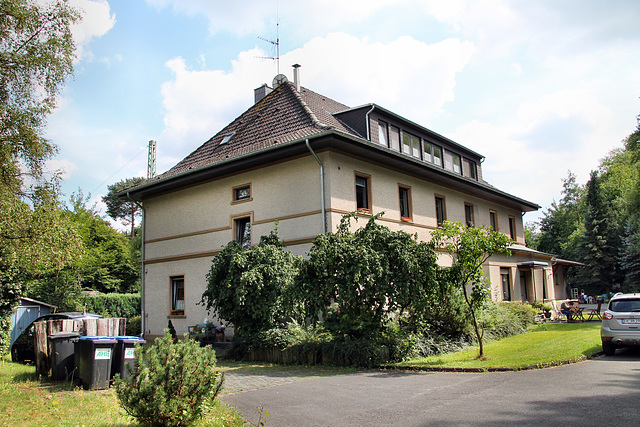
{"points": [[129, 353], [103, 354]]}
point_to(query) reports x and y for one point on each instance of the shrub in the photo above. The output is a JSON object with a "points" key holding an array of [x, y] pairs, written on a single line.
{"points": [[134, 326], [251, 288], [506, 318], [171, 384], [113, 305]]}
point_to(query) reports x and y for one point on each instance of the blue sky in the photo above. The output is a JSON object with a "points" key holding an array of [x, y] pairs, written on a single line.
{"points": [[539, 88]]}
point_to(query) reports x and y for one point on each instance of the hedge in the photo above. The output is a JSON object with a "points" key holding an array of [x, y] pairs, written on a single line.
{"points": [[113, 305]]}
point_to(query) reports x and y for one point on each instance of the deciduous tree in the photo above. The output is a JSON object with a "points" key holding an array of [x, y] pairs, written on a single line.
{"points": [[469, 249]]}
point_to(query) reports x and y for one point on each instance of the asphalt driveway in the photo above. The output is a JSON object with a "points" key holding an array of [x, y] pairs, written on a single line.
{"points": [[603, 391]]}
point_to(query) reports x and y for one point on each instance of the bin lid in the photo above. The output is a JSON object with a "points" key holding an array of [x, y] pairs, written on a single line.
{"points": [[128, 338], [62, 335], [98, 339]]}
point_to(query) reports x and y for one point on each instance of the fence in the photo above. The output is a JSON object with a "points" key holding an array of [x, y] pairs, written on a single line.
{"points": [[42, 346]]}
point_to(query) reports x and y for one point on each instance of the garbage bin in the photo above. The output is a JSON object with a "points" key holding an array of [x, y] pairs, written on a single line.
{"points": [[123, 355], [93, 361], [62, 354]]}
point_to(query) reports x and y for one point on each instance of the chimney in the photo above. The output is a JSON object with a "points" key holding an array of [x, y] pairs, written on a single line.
{"points": [[261, 92], [296, 76]]}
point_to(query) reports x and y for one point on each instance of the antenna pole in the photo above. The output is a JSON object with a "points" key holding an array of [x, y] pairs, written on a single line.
{"points": [[151, 164]]}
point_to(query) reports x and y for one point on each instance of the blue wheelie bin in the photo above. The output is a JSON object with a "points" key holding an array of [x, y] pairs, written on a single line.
{"points": [[123, 355], [93, 360]]}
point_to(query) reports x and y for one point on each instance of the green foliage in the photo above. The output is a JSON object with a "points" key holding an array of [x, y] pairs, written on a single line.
{"points": [[599, 243], [368, 274], [134, 326], [469, 248], [171, 384], [105, 262], [112, 305], [5, 335], [252, 288], [561, 224], [505, 319], [121, 207], [36, 56]]}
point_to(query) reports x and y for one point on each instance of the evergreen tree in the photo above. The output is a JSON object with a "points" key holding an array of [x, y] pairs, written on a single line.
{"points": [[123, 209], [560, 225], [630, 258], [600, 272]]}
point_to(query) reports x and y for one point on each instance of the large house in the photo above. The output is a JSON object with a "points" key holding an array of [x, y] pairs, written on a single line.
{"points": [[301, 160]]}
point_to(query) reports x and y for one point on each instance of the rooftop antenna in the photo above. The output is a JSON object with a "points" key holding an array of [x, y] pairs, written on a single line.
{"points": [[275, 43]]}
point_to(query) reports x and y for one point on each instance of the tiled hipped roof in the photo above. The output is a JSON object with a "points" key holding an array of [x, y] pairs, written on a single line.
{"points": [[283, 115]]}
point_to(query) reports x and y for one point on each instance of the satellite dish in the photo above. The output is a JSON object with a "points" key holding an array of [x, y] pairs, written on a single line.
{"points": [[278, 80]]}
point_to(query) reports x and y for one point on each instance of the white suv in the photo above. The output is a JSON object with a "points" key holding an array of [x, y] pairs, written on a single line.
{"points": [[621, 323]]}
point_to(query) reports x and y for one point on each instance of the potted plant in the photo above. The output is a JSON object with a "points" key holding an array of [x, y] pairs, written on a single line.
{"points": [[220, 333]]}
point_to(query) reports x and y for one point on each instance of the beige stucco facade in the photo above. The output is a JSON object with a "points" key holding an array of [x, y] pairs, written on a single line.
{"points": [[185, 229]]}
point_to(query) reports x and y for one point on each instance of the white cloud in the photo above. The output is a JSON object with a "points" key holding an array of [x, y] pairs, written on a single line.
{"points": [[97, 20], [64, 167], [199, 103], [530, 154]]}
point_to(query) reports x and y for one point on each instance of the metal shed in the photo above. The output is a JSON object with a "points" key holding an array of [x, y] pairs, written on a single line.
{"points": [[28, 311]]}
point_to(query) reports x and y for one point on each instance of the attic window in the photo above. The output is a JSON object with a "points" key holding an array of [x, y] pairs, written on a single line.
{"points": [[227, 138]]}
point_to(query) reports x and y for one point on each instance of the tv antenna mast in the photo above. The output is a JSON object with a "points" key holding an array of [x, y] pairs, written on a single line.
{"points": [[275, 43]]}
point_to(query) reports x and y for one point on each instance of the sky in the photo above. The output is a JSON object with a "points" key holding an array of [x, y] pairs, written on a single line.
{"points": [[539, 88]]}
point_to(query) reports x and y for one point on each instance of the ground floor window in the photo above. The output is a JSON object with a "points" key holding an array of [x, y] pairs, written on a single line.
{"points": [[177, 295], [506, 284]]}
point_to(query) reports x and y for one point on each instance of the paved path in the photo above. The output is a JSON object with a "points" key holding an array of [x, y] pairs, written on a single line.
{"points": [[604, 391]]}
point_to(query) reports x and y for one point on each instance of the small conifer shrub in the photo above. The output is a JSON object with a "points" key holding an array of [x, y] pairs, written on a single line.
{"points": [[170, 384]]}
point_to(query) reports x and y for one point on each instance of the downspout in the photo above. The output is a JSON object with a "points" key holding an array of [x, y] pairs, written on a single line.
{"points": [[368, 124], [143, 273], [324, 210]]}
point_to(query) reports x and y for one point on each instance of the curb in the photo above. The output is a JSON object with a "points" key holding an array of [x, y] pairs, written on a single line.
{"points": [[497, 369]]}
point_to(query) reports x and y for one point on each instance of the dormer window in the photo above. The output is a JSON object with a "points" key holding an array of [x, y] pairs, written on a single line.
{"points": [[227, 138]]}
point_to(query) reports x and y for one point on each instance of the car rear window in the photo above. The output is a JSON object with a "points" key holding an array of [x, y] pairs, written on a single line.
{"points": [[625, 305]]}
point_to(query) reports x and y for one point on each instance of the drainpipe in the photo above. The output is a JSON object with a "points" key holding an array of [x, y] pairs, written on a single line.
{"points": [[368, 124], [324, 211], [143, 274]]}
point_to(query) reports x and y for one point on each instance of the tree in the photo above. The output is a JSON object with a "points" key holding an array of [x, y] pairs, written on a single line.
{"points": [[105, 263], [469, 249], [598, 250], [36, 56], [368, 274], [560, 225], [120, 208], [251, 288]]}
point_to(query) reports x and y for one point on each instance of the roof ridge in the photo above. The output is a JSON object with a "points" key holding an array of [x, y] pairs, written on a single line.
{"points": [[307, 109]]}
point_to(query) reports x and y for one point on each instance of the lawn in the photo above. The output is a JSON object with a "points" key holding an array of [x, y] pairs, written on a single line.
{"points": [[544, 345], [28, 400]]}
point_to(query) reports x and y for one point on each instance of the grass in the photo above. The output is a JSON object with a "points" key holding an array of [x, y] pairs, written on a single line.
{"points": [[27, 400], [544, 345]]}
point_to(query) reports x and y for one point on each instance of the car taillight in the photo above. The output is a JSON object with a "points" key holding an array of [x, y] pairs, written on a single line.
{"points": [[607, 316]]}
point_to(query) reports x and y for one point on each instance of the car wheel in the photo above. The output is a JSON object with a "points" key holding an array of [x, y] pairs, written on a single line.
{"points": [[608, 349]]}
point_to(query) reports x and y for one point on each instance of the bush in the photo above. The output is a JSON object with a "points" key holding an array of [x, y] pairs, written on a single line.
{"points": [[134, 326], [171, 384], [506, 318], [113, 305]]}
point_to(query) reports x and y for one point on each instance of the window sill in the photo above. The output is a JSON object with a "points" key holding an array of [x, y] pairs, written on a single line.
{"points": [[237, 202]]}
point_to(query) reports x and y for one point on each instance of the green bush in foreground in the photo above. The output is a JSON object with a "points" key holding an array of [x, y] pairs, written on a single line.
{"points": [[171, 384]]}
